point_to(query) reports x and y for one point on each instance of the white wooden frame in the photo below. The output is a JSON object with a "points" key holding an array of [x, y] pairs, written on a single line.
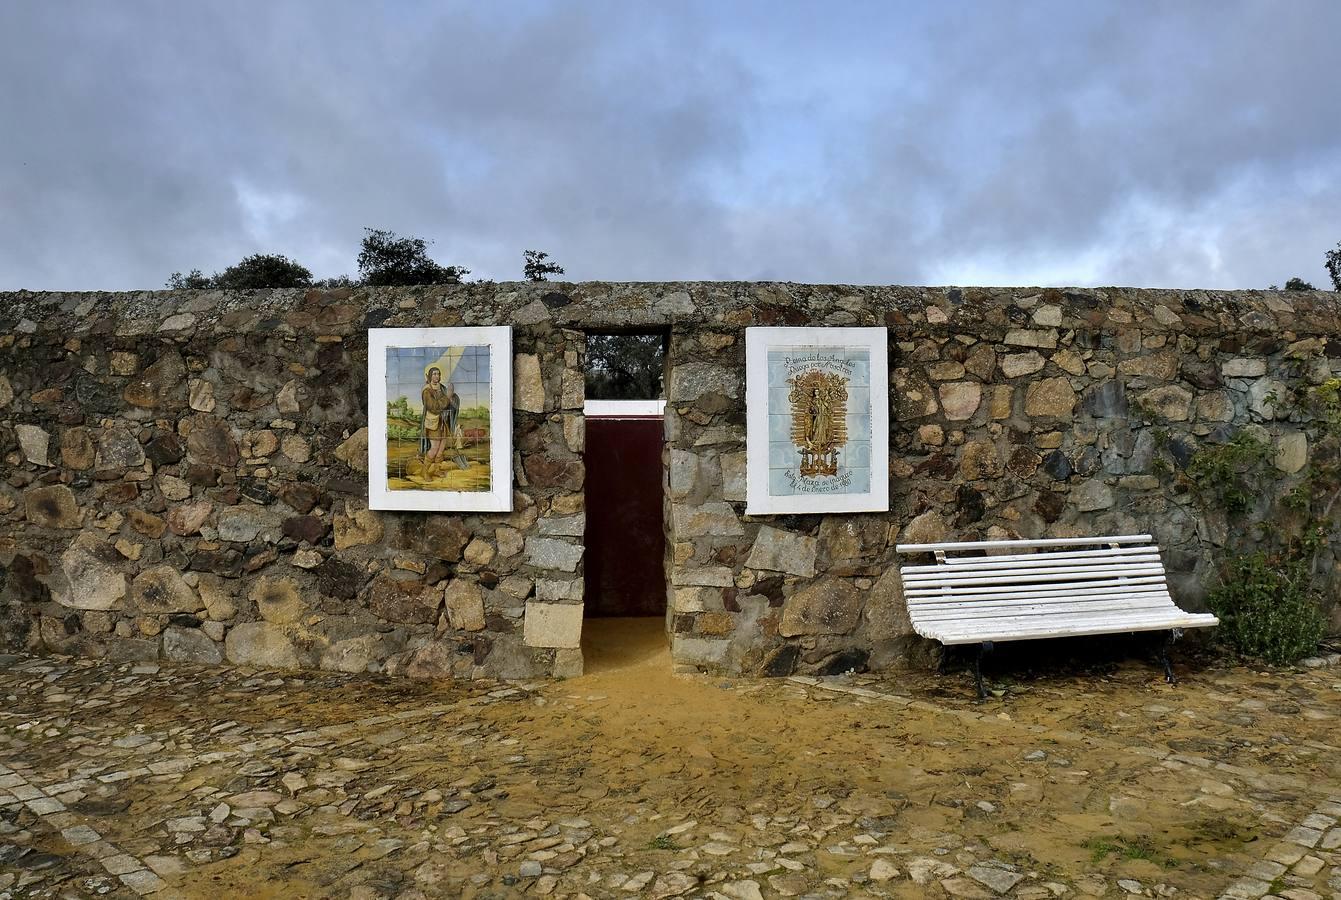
{"points": [[624, 409], [499, 341], [758, 341]]}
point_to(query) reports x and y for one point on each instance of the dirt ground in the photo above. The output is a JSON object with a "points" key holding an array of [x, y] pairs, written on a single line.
{"points": [[632, 781]]}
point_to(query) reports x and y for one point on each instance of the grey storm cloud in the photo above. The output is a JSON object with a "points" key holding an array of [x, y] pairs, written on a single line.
{"points": [[1190, 145]]}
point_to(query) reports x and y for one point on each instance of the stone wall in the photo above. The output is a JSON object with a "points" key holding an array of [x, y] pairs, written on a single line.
{"points": [[186, 472]]}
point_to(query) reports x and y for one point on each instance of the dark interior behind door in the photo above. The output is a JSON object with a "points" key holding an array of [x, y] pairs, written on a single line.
{"points": [[625, 544]]}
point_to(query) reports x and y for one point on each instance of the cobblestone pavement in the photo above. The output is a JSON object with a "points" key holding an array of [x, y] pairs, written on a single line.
{"points": [[120, 780]]}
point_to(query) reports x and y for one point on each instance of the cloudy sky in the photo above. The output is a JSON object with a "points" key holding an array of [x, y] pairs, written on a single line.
{"points": [[1182, 144]]}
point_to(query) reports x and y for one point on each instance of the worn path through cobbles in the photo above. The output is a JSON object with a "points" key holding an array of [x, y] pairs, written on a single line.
{"points": [[126, 781]]}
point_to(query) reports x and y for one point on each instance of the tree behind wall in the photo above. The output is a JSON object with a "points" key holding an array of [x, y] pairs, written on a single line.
{"points": [[386, 258], [625, 366], [260, 270], [1332, 260], [536, 268]]}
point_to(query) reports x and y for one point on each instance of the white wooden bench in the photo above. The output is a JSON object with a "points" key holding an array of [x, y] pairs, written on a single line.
{"points": [[981, 592]]}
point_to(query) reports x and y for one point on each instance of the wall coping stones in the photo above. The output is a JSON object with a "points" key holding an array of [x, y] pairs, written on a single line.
{"points": [[905, 309]]}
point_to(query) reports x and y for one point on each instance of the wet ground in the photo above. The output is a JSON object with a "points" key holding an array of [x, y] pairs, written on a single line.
{"points": [[633, 782]]}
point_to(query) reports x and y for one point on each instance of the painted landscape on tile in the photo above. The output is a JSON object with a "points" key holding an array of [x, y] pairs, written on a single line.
{"points": [[819, 420], [438, 418]]}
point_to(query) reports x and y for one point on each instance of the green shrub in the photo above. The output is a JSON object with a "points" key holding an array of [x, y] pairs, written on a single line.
{"points": [[1267, 608], [1230, 473]]}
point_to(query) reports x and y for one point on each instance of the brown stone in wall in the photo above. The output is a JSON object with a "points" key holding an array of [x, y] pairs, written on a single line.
{"points": [[1050, 398], [547, 472], [1023, 462], [77, 449], [300, 496], [187, 518], [162, 385], [52, 507], [978, 460], [405, 600], [162, 590], [440, 536], [357, 527], [825, 606], [145, 523], [714, 624], [118, 449], [209, 441], [464, 605], [305, 528], [340, 579], [278, 600]]}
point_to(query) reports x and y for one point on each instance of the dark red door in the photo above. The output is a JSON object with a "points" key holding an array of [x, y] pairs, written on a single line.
{"points": [[625, 544]]}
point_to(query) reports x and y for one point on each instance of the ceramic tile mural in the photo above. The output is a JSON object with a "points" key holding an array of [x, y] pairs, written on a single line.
{"points": [[817, 419], [440, 415]]}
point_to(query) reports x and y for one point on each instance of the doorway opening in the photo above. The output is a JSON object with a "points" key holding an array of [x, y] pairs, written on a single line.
{"points": [[624, 575]]}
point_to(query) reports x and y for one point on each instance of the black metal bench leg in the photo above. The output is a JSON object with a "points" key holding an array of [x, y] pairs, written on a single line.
{"points": [[983, 649], [1164, 649]]}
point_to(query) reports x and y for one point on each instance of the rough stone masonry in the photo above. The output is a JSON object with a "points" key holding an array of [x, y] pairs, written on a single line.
{"points": [[185, 472]]}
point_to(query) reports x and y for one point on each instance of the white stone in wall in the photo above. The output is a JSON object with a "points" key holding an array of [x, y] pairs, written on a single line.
{"points": [[1013, 365], [1243, 367], [698, 651], [86, 580], [1291, 452], [783, 551], [733, 476], [960, 399], [1025, 337], [179, 322], [563, 526], [552, 553], [693, 380], [1269, 398], [1049, 316], [529, 387], [706, 576], [549, 589], [286, 401], [200, 395], [707, 519], [1092, 495], [33, 441], [552, 625]]}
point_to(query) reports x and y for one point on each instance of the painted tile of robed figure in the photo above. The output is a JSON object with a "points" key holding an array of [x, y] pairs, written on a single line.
{"points": [[817, 420], [440, 418]]}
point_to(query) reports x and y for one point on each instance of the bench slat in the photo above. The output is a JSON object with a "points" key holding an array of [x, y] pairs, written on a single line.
{"points": [[1061, 610], [1045, 555], [1037, 560], [989, 592], [1099, 626], [925, 573], [1053, 542], [931, 606], [1063, 573]]}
